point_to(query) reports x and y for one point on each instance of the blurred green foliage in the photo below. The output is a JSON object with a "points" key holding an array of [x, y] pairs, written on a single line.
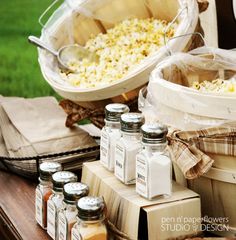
{"points": [[19, 69]]}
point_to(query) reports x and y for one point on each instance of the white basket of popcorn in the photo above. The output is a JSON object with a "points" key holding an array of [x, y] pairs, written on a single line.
{"points": [[195, 94], [128, 35], [195, 90]]}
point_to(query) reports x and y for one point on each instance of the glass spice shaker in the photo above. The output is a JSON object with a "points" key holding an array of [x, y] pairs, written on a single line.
{"points": [[111, 133], [153, 163], [91, 220], [67, 215], [44, 190], [55, 201], [128, 146]]}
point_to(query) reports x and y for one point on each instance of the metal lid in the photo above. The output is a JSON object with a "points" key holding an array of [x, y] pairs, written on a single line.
{"points": [[131, 122], [154, 133], [59, 179], [113, 111], [74, 191], [91, 208], [46, 170]]}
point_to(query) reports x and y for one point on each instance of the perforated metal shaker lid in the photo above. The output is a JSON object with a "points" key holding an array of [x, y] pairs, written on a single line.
{"points": [[46, 170], [131, 122], [91, 208], [154, 133], [59, 179], [113, 111], [74, 191]]}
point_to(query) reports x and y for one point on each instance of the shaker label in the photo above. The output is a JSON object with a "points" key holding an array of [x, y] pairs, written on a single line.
{"points": [[39, 207], [62, 227], [141, 176], [51, 219], [75, 234], [104, 148], [120, 161]]}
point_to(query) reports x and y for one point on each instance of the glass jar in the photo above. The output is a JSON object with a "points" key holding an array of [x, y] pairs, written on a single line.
{"points": [[111, 133], [128, 146], [55, 201], [44, 190], [67, 215], [153, 163], [90, 224]]}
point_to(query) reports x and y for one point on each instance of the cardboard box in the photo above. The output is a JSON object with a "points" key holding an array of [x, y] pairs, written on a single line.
{"points": [[137, 218]]}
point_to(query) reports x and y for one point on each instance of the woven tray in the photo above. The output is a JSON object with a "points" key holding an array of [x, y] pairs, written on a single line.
{"points": [[29, 166]]}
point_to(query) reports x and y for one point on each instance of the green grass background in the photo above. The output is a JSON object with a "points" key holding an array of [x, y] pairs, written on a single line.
{"points": [[19, 69]]}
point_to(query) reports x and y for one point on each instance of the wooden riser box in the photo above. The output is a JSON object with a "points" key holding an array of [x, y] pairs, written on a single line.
{"points": [[137, 218]]}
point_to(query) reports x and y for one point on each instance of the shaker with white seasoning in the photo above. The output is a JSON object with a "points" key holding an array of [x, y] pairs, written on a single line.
{"points": [[44, 190], [67, 214], [153, 163], [55, 202], [111, 133], [128, 146]]}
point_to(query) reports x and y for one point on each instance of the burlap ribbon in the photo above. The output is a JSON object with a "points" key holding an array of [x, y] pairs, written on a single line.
{"points": [[192, 161], [189, 148], [77, 113], [202, 5]]}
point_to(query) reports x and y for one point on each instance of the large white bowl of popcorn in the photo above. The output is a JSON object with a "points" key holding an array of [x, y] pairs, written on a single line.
{"points": [[130, 37]]}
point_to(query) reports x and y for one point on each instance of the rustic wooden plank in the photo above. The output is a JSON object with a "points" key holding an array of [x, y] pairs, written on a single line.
{"points": [[17, 207], [17, 210]]}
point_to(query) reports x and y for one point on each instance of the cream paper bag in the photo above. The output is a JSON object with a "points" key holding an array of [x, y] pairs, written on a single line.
{"points": [[36, 126], [15, 143]]}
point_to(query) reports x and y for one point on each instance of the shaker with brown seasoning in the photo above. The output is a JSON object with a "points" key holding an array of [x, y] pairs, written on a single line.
{"points": [[91, 216], [67, 215], [44, 190], [55, 201]]}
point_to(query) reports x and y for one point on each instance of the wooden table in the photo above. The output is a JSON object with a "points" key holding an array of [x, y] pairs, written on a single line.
{"points": [[17, 215], [17, 210], [17, 220]]}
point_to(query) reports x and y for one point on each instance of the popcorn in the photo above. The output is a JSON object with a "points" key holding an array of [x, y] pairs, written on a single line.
{"points": [[120, 50], [216, 86]]}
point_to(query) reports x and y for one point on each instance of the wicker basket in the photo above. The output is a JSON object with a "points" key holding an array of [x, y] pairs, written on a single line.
{"points": [[29, 166], [57, 32]]}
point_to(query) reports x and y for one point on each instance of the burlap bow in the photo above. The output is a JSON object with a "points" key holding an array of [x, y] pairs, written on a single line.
{"points": [[190, 159], [202, 5], [190, 148], [77, 113]]}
